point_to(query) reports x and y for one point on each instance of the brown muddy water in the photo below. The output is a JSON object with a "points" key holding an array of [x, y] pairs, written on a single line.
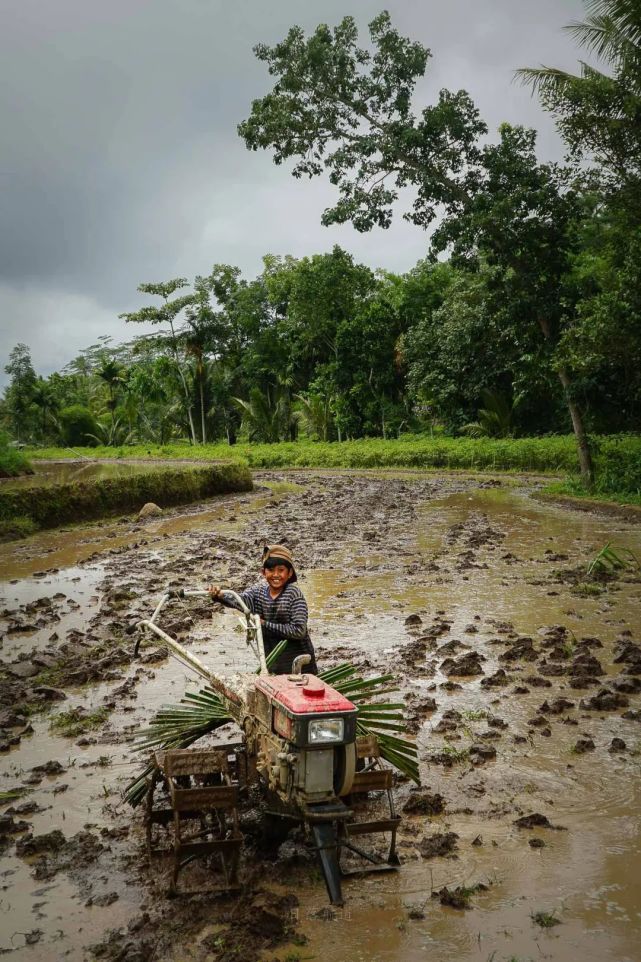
{"points": [[505, 624], [65, 472]]}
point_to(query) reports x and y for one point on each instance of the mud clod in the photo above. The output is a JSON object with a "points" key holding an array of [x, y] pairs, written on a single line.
{"points": [[439, 845], [605, 700], [422, 802], [479, 754], [469, 664], [557, 706], [583, 745], [535, 820], [498, 680], [460, 897], [52, 841]]}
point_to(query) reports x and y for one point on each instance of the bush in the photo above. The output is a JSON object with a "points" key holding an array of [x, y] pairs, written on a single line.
{"points": [[13, 528], [51, 505], [12, 461], [618, 464], [76, 424], [554, 454]]}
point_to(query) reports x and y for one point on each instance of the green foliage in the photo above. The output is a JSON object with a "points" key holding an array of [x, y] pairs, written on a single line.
{"points": [[494, 420], [618, 461], [266, 416], [597, 111], [546, 920], [78, 426], [112, 435], [12, 794], [618, 458], [77, 721], [18, 400], [12, 529], [612, 558], [346, 110], [538, 303], [49, 506], [551, 454], [13, 461], [316, 412]]}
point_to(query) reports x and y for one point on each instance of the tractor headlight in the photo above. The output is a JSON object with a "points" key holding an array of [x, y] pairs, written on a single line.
{"points": [[322, 731]]}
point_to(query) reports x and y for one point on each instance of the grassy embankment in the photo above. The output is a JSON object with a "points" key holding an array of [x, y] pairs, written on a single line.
{"points": [[23, 511], [617, 458]]}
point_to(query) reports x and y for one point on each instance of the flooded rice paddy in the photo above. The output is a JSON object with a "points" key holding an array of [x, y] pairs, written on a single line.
{"points": [[472, 592], [68, 472]]}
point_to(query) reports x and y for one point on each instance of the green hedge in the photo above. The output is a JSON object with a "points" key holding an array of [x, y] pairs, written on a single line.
{"points": [[618, 464], [50, 505], [617, 458], [552, 454]]}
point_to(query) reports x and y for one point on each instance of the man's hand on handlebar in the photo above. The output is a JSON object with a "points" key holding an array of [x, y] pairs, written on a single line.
{"points": [[215, 592]]}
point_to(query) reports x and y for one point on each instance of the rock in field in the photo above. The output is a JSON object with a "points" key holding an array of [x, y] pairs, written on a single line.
{"points": [[149, 510]]}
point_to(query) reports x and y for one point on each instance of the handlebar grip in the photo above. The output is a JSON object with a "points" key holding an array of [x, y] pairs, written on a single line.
{"points": [[175, 592]]}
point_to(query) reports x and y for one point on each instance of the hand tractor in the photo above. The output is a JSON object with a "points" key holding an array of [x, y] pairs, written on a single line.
{"points": [[299, 745]]}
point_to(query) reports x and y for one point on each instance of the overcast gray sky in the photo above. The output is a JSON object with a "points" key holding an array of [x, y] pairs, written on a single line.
{"points": [[120, 161]]}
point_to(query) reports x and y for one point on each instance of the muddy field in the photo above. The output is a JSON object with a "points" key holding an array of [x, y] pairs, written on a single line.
{"points": [[521, 679]]}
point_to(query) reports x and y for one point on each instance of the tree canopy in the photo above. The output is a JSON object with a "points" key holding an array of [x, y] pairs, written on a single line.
{"points": [[523, 318]]}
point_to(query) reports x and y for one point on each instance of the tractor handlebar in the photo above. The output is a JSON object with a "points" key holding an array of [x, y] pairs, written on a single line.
{"points": [[252, 626]]}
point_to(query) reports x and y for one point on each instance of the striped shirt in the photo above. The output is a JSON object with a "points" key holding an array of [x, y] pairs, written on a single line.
{"points": [[284, 617]]}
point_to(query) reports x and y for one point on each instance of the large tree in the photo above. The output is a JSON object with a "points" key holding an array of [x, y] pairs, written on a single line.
{"points": [[345, 110], [168, 313], [339, 108], [20, 392]]}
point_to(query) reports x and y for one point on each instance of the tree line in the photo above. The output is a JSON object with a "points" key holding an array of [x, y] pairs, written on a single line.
{"points": [[523, 318]]}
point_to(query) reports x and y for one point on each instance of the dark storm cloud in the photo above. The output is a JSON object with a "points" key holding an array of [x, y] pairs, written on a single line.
{"points": [[121, 163]]}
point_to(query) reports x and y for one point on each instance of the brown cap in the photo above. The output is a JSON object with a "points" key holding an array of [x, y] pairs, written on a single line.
{"points": [[281, 553]]}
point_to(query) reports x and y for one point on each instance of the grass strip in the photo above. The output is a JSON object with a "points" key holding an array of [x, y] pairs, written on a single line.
{"points": [[49, 506]]}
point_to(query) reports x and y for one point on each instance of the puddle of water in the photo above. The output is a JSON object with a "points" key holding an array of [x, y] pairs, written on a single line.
{"points": [[64, 547], [80, 587], [66, 472]]}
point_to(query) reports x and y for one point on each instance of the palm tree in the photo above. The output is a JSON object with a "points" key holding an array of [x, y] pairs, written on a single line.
{"points": [[167, 313], [611, 31], [44, 398], [266, 415], [494, 418], [316, 410], [598, 112], [113, 375]]}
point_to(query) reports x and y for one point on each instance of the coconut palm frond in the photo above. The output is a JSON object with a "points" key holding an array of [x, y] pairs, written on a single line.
{"points": [[177, 726], [376, 718], [610, 34], [612, 557], [546, 79], [199, 713]]}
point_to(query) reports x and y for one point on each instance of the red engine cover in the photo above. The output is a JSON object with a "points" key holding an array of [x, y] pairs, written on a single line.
{"points": [[306, 695]]}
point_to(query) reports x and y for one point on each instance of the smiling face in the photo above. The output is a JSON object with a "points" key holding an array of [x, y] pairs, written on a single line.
{"points": [[277, 577]]}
